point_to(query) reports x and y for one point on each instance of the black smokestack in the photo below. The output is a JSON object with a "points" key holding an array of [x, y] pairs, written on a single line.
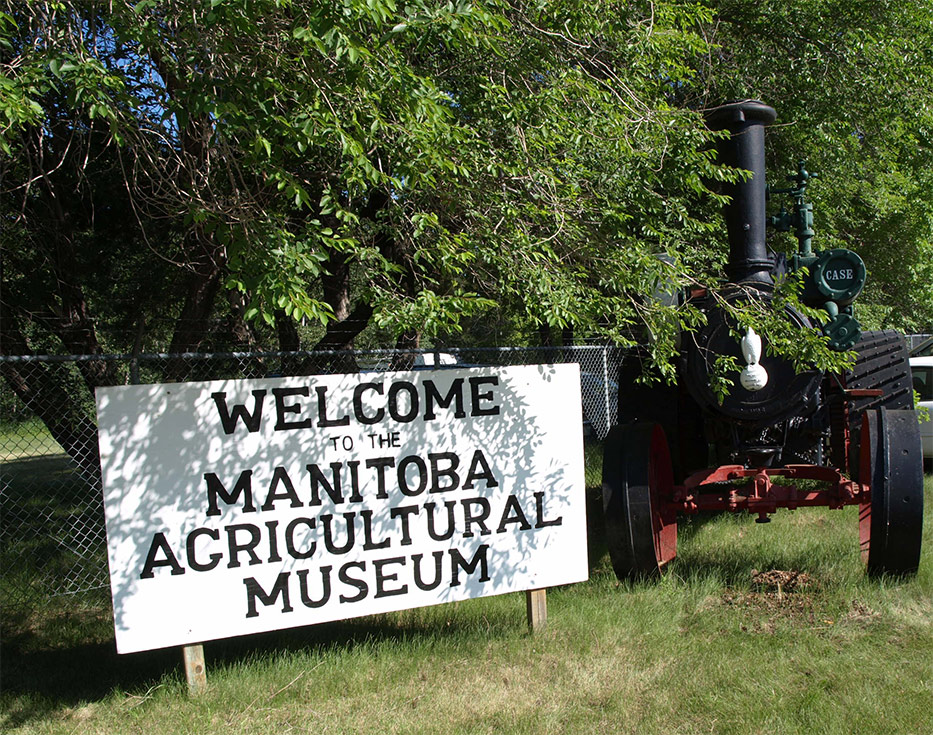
{"points": [[745, 214]]}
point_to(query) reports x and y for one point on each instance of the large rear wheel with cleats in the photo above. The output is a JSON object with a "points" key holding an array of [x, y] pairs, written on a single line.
{"points": [[637, 479], [891, 524], [883, 364]]}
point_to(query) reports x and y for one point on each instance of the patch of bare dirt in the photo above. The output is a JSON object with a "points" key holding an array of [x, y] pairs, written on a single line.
{"points": [[781, 581], [860, 614], [776, 600]]}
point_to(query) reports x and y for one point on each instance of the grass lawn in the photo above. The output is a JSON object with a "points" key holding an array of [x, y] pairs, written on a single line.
{"points": [[26, 438], [717, 646]]}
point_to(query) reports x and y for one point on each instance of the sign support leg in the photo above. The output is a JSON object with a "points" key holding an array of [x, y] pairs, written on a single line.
{"points": [[536, 609], [195, 670]]}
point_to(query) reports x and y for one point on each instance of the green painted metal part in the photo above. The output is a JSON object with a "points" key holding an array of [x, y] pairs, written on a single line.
{"points": [[838, 275], [835, 277]]}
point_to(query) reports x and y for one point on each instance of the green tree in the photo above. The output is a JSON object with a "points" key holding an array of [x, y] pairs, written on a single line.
{"points": [[351, 163], [851, 81], [456, 157], [409, 167]]}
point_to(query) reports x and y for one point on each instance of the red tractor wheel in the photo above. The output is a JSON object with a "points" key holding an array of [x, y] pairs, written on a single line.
{"points": [[891, 524], [637, 479]]}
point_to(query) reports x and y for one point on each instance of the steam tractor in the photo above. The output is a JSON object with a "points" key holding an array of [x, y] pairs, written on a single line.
{"points": [[780, 438]]}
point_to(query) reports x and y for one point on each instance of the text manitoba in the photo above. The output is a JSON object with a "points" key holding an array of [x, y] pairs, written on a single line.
{"points": [[410, 476]]}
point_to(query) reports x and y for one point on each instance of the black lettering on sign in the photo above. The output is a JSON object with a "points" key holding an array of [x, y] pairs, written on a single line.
{"points": [[293, 551], [380, 463], [358, 403], [325, 588], [280, 478], [318, 481], [513, 513], [353, 581], [402, 401], [539, 507], [273, 542], [419, 480], [438, 557], [477, 517], [213, 559], [168, 558], [477, 397], [323, 420], [432, 530], [395, 410], [432, 398], [216, 489], [255, 592], [228, 418], [458, 562], [368, 543], [382, 577], [327, 526], [357, 580], [235, 545], [449, 472], [403, 512], [281, 408], [479, 470]]}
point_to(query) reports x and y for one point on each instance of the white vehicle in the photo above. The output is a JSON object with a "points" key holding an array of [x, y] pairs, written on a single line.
{"points": [[921, 368], [435, 359]]}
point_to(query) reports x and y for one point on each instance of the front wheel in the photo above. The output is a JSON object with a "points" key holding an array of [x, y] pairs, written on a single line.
{"points": [[637, 480]]}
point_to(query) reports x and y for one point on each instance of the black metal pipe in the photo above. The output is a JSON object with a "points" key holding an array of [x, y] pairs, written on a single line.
{"points": [[745, 214]]}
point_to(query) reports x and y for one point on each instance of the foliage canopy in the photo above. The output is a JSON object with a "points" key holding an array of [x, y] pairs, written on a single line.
{"points": [[418, 168]]}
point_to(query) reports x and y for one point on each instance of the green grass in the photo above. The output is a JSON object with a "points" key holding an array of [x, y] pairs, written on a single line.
{"points": [[51, 530], [26, 438], [704, 650]]}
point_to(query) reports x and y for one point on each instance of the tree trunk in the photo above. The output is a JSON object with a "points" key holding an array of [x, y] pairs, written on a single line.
{"points": [[193, 324], [349, 323], [403, 359], [73, 324], [43, 393], [289, 341], [287, 331], [243, 337]]}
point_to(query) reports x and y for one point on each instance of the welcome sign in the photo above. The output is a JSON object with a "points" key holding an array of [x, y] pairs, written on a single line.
{"points": [[236, 507]]}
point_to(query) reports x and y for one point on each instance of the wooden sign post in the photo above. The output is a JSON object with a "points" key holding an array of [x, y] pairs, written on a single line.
{"points": [[195, 670], [536, 608]]}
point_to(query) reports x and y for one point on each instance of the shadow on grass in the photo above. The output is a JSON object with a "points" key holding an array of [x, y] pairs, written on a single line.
{"points": [[52, 661], [60, 653], [43, 674], [47, 482], [731, 560]]}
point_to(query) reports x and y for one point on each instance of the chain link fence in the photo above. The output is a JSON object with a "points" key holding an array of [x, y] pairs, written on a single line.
{"points": [[52, 534], [916, 341]]}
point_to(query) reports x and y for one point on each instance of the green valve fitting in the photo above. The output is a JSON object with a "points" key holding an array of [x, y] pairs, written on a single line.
{"points": [[842, 330], [835, 277]]}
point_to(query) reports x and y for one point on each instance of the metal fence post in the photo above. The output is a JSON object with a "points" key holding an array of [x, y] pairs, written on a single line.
{"points": [[608, 412]]}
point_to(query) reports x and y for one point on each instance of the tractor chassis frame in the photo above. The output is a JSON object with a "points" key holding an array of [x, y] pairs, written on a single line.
{"points": [[764, 490]]}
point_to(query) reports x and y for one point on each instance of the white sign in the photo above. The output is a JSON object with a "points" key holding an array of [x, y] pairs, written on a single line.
{"points": [[241, 506]]}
